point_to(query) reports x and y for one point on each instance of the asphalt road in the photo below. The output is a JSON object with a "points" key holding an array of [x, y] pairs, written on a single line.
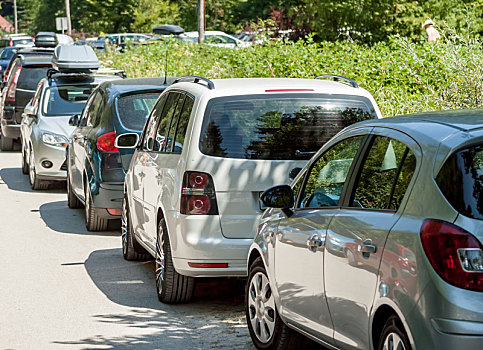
{"points": [[62, 287]]}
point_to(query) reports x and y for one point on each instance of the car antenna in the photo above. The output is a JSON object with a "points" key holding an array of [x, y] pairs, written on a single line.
{"points": [[166, 67]]}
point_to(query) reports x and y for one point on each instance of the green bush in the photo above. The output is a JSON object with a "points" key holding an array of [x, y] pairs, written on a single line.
{"points": [[403, 76]]}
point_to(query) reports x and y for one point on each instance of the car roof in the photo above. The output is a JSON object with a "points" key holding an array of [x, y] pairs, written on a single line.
{"points": [[31, 60], [122, 86], [81, 79], [251, 86]]}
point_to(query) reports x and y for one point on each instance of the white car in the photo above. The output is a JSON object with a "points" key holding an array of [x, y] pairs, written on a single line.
{"points": [[216, 38], [195, 208]]}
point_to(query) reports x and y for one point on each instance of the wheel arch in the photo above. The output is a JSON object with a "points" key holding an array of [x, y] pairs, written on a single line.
{"points": [[381, 315]]}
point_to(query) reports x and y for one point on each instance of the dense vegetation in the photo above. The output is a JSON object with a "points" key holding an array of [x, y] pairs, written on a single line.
{"points": [[403, 76], [366, 21]]}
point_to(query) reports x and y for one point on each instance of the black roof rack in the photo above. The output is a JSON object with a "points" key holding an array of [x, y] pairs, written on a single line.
{"points": [[195, 79], [103, 71], [339, 78]]}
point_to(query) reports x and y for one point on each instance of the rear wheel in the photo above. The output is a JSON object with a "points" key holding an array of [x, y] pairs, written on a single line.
{"points": [[25, 165], [72, 200], [35, 183], [131, 250], [6, 143], [171, 286], [267, 329], [393, 336], [93, 221]]}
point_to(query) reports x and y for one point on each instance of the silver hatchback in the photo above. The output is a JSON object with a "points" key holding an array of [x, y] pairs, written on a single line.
{"points": [[377, 244]]}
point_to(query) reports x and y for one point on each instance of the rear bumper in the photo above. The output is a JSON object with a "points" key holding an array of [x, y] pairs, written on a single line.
{"points": [[198, 239], [9, 130], [108, 195]]}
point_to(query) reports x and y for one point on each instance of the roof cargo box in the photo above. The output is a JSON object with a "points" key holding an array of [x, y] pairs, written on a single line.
{"points": [[45, 39], [75, 59], [168, 29]]}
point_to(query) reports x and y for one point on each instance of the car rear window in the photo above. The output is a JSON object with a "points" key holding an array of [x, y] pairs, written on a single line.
{"points": [[278, 126], [65, 100], [461, 181], [23, 41], [133, 110], [30, 76], [6, 54]]}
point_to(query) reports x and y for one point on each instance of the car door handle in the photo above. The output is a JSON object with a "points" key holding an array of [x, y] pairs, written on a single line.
{"points": [[314, 242], [367, 247]]}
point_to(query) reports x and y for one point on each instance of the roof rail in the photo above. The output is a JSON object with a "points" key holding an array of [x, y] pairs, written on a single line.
{"points": [[195, 79], [119, 72], [339, 78]]}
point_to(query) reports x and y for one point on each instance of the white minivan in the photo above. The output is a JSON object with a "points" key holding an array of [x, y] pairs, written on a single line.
{"points": [[208, 150]]}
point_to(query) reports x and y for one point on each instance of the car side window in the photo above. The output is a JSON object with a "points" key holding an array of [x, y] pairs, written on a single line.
{"points": [[165, 121], [92, 109], [174, 122], [96, 115], [36, 98], [152, 123], [385, 175], [327, 176], [183, 121]]}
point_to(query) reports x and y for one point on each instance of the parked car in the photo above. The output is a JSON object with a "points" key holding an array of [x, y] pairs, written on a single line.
{"points": [[45, 128], [27, 71], [208, 150], [5, 58], [16, 40], [408, 204], [26, 51], [95, 166], [216, 38]]}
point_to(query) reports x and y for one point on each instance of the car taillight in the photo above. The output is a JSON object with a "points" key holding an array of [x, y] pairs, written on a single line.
{"points": [[13, 86], [198, 195], [455, 254], [105, 143]]}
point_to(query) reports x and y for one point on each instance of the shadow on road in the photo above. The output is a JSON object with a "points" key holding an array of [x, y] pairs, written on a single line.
{"points": [[215, 318], [17, 181], [59, 217]]}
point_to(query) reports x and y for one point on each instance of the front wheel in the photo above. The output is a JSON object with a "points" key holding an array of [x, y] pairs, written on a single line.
{"points": [[172, 287], [35, 183], [131, 250], [393, 336], [266, 328], [25, 165]]}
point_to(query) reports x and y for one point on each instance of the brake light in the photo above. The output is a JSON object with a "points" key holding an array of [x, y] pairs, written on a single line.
{"points": [[455, 254], [198, 196], [105, 143], [13, 86], [288, 90]]}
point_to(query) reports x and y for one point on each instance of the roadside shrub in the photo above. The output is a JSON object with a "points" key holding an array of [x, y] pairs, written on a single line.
{"points": [[403, 76]]}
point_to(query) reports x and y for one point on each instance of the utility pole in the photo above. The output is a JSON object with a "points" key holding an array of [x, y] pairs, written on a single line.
{"points": [[15, 15], [201, 21], [67, 14]]}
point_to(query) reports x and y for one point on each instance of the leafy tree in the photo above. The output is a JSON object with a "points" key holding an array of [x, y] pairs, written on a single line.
{"points": [[149, 14]]}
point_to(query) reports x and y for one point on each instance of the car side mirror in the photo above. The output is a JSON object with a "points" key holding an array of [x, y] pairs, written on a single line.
{"points": [[128, 140], [29, 111], [74, 120], [281, 197]]}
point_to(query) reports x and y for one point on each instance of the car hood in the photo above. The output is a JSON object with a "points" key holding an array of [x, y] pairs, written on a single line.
{"points": [[57, 125]]}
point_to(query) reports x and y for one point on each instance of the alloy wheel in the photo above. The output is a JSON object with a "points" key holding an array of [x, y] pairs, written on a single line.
{"points": [[160, 262], [32, 174], [393, 342], [261, 304], [124, 227]]}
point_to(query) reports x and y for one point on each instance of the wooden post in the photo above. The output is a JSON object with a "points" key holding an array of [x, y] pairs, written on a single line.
{"points": [[67, 14], [201, 21]]}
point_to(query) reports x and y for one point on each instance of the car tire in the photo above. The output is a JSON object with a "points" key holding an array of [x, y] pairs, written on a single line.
{"points": [[131, 249], [35, 183], [393, 336], [6, 143], [267, 329], [93, 221], [25, 165], [172, 287], [72, 201]]}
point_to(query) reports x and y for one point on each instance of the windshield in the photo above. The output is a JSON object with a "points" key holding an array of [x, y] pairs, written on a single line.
{"points": [[6, 54], [133, 110], [65, 100], [278, 126], [461, 181]]}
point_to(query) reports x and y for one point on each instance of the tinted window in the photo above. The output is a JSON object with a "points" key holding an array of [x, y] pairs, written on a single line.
{"points": [[277, 126], [22, 41], [165, 120], [133, 110], [461, 181], [183, 124], [6, 54], [30, 77], [151, 125], [388, 160], [92, 109], [328, 175], [65, 100], [174, 123]]}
